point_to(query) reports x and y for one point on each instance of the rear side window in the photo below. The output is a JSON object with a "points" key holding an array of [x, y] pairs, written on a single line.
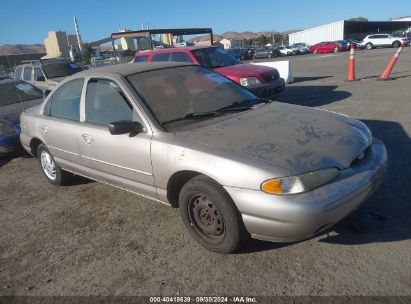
{"points": [[141, 58], [17, 73], [37, 73], [181, 57], [65, 102], [27, 73], [161, 57]]}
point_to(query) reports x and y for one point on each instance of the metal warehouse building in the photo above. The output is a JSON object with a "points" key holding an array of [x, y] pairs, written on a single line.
{"points": [[345, 29]]}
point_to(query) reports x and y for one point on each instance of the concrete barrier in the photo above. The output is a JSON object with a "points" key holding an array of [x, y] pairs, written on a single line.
{"points": [[283, 67]]}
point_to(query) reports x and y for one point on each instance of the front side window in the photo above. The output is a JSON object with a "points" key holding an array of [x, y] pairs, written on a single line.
{"points": [[65, 102], [106, 103], [27, 73]]}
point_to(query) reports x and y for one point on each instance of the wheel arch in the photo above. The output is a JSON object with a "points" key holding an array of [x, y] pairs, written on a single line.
{"points": [[34, 144]]}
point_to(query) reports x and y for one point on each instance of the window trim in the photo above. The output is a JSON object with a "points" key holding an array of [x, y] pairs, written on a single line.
{"points": [[126, 92], [46, 111]]}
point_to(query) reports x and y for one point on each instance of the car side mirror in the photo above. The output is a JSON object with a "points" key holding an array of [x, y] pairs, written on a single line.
{"points": [[126, 126], [40, 78]]}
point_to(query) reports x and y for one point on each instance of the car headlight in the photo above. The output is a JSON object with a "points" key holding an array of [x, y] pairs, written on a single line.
{"points": [[300, 183], [6, 129], [249, 81]]}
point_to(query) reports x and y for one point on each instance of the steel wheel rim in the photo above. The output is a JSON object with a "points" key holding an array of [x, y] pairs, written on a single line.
{"points": [[206, 219], [47, 163]]}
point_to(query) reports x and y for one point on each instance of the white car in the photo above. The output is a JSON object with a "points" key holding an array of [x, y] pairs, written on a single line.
{"points": [[285, 50], [383, 40]]}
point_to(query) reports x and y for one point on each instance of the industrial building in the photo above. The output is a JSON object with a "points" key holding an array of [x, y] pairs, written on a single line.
{"points": [[346, 29]]}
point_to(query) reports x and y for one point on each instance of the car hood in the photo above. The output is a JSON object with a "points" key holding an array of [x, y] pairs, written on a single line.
{"points": [[296, 138], [243, 70]]}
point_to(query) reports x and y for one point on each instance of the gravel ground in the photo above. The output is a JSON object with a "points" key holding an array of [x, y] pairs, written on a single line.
{"points": [[92, 239]]}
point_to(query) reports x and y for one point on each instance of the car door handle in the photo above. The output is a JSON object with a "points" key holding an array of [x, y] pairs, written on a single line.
{"points": [[87, 138], [45, 128]]}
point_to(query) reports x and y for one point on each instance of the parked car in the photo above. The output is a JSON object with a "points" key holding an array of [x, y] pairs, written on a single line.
{"points": [[357, 44], [266, 53], [344, 43], [326, 47], [239, 54], [383, 40], [14, 98], [234, 164], [299, 50], [250, 53], [45, 74], [285, 51], [263, 81]]}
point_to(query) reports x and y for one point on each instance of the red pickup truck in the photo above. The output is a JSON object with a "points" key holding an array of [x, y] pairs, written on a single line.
{"points": [[262, 81]]}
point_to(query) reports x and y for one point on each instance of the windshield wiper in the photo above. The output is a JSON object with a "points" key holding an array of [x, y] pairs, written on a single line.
{"points": [[242, 105], [189, 116]]}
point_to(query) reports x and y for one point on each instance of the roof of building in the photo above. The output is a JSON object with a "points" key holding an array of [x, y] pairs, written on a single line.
{"points": [[127, 69]]}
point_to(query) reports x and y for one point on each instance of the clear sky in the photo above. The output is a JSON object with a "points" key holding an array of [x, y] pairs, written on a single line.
{"points": [[26, 22]]}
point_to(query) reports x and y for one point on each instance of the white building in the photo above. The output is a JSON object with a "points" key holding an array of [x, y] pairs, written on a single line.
{"points": [[232, 43], [348, 29], [405, 18]]}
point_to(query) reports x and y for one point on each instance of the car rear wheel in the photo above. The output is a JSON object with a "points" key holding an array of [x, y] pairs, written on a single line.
{"points": [[51, 170], [269, 55], [396, 44], [336, 50], [369, 46], [210, 216]]}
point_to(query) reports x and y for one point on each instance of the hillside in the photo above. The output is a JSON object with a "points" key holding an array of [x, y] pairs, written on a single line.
{"points": [[237, 35], [10, 49]]}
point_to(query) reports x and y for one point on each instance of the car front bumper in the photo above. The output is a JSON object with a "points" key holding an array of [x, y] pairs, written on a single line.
{"points": [[288, 218], [267, 90]]}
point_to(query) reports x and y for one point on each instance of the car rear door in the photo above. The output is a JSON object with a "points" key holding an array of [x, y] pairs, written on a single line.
{"points": [[60, 124], [123, 160]]}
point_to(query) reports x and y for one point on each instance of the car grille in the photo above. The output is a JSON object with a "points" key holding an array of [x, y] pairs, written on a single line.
{"points": [[271, 76]]}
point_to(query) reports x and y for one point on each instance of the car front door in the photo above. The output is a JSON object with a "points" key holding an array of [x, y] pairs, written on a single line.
{"points": [[121, 160], [39, 80], [60, 126]]}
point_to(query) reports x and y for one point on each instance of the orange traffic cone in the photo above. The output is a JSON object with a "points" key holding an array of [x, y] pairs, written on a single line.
{"points": [[390, 66], [351, 65]]}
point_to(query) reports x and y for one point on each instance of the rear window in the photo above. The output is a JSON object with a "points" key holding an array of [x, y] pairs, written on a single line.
{"points": [[19, 91], [161, 57], [181, 57]]}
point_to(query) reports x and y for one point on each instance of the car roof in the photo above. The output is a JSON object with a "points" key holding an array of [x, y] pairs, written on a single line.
{"points": [[127, 69]]}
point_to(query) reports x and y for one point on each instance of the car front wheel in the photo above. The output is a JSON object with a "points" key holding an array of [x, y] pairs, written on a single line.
{"points": [[210, 215], [51, 170], [369, 46], [396, 44], [315, 51]]}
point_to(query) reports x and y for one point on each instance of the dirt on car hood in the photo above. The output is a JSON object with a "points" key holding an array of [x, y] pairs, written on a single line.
{"points": [[296, 138]]}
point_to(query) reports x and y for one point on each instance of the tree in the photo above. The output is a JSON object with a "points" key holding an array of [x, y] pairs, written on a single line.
{"points": [[87, 54], [358, 19]]}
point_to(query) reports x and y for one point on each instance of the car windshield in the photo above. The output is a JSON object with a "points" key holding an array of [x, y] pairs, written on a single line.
{"points": [[188, 93], [13, 92], [214, 58], [60, 69]]}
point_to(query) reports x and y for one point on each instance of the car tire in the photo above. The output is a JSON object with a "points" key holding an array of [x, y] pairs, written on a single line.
{"points": [[336, 50], [210, 216], [51, 170], [369, 46], [315, 51], [269, 55], [254, 56], [396, 44]]}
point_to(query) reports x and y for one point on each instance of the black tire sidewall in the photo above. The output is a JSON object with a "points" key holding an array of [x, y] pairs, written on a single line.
{"points": [[235, 232]]}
